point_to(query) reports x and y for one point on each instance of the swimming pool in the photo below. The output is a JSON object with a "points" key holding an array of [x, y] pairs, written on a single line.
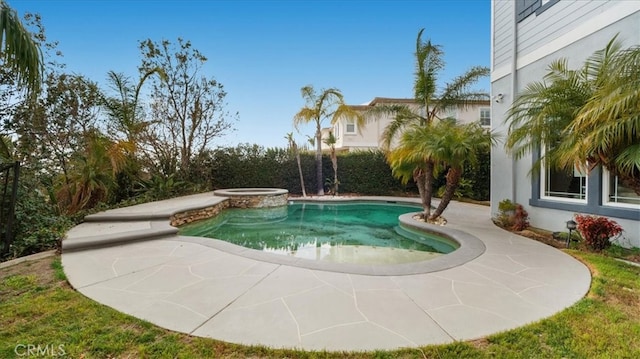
{"points": [[362, 233]]}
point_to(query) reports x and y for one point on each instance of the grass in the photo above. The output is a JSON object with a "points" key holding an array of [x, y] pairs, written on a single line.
{"points": [[38, 307]]}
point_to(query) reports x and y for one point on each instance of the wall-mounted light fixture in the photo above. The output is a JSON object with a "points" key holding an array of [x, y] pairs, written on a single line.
{"points": [[498, 98]]}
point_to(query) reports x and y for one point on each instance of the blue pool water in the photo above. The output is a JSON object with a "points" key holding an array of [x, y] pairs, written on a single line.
{"points": [[318, 230]]}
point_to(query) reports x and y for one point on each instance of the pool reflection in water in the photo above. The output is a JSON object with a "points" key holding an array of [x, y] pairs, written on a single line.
{"points": [[364, 233]]}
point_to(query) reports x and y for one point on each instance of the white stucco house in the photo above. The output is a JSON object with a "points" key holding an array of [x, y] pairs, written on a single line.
{"points": [[351, 138], [526, 36]]}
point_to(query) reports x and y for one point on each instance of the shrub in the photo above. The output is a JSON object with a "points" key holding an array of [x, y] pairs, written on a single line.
{"points": [[520, 219], [512, 216], [597, 231], [506, 211], [38, 227]]}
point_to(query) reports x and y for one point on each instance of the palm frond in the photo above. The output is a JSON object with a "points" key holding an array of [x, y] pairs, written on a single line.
{"points": [[19, 50], [458, 92]]}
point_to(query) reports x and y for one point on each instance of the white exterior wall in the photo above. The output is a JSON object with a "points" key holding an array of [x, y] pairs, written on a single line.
{"points": [[569, 29]]}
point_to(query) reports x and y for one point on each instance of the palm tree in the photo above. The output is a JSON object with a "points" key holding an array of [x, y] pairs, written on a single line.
{"points": [[543, 111], [19, 51], [430, 104], [293, 147], [583, 118], [330, 141], [328, 104], [126, 113], [125, 109], [93, 173], [415, 159], [605, 130], [456, 146]]}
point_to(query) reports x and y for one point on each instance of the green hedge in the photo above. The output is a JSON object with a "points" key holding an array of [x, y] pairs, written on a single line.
{"points": [[363, 172]]}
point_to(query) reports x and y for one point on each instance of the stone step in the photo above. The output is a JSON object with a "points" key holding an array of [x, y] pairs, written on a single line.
{"points": [[159, 210]]}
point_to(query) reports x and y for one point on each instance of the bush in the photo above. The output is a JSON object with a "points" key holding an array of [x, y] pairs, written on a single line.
{"points": [[597, 231], [362, 172], [520, 219], [38, 226], [512, 216], [506, 211]]}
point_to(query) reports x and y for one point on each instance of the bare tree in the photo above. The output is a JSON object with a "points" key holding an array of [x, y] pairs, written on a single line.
{"points": [[187, 109]]}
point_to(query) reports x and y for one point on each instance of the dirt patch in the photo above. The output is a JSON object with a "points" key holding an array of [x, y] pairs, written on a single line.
{"points": [[481, 343], [41, 268], [27, 276], [542, 236]]}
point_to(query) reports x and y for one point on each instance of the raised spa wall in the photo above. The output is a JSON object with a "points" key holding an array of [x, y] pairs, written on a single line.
{"points": [[235, 198]]}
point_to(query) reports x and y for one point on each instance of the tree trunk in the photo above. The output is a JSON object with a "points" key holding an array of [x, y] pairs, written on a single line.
{"points": [[632, 181], [334, 162], [453, 180], [304, 192], [424, 182], [320, 184]]}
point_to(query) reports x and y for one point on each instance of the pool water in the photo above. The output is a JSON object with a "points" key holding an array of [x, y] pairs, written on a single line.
{"points": [[345, 232]]}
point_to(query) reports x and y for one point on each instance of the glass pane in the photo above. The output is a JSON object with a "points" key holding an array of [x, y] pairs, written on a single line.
{"points": [[564, 184], [351, 127], [485, 117], [619, 193]]}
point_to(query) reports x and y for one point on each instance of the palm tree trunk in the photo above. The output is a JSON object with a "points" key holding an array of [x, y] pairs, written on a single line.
{"points": [[320, 183], [304, 192], [424, 182], [334, 162], [453, 180]]}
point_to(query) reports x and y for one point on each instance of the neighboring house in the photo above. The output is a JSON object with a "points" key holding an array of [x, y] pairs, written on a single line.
{"points": [[351, 138], [526, 36]]}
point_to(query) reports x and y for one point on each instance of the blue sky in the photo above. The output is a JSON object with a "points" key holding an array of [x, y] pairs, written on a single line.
{"points": [[263, 52]]}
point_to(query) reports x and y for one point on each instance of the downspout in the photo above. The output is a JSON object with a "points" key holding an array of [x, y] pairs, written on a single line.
{"points": [[514, 89]]}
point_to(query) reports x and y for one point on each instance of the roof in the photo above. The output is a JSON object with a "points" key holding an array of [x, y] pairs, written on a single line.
{"points": [[389, 100]]}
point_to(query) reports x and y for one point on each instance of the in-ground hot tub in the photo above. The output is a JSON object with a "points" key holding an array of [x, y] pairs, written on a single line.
{"points": [[254, 197]]}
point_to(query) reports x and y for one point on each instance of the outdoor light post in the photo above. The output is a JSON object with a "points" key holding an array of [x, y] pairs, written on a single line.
{"points": [[571, 225]]}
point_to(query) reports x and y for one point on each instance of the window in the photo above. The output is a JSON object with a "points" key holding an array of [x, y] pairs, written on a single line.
{"points": [[563, 185], [617, 194], [350, 127], [336, 130], [485, 117], [524, 8], [568, 186]]}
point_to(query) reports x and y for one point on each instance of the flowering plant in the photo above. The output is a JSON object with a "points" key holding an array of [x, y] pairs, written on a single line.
{"points": [[597, 231]]}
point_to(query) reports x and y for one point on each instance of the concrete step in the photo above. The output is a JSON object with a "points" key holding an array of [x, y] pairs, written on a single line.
{"points": [[100, 234]]}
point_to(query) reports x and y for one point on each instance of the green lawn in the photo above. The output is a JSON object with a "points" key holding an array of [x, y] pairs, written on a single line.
{"points": [[37, 307]]}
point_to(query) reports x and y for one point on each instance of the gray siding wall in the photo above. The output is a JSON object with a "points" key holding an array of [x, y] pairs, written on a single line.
{"points": [[502, 32], [564, 16], [514, 180]]}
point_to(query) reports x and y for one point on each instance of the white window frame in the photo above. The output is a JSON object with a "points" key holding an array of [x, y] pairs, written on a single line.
{"points": [[543, 184], [485, 109], [336, 130], [606, 181]]}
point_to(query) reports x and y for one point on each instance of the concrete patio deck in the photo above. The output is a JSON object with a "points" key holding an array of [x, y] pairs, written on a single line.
{"points": [[131, 259]]}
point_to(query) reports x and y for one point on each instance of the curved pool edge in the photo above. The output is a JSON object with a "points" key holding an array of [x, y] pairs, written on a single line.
{"points": [[470, 247]]}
